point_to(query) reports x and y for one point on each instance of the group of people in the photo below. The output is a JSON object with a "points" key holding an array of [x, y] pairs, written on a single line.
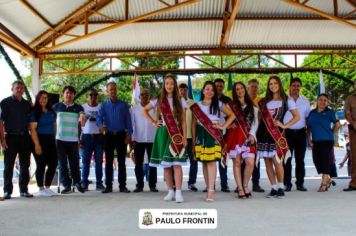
{"points": [[173, 130]]}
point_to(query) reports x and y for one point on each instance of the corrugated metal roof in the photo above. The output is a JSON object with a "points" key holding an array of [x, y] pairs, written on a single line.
{"points": [[291, 33], [20, 20], [260, 8], [55, 11], [151, 36]]}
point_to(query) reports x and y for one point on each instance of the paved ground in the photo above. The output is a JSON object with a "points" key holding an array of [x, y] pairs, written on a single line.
{"points": [[92, 213]]}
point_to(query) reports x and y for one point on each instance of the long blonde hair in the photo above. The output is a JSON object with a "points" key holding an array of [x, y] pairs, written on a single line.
{"points": [[177, 103]]}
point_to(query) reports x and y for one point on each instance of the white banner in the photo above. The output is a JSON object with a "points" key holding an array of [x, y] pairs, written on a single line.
{"points": [[178, 219]]}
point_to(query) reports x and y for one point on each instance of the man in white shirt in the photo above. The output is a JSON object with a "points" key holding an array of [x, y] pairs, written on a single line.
{"points": [[92, 142], [143, 138], [296, 137]]}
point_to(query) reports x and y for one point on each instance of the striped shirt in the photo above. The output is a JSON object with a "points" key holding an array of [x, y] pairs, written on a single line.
{"points": [[67, 121]]}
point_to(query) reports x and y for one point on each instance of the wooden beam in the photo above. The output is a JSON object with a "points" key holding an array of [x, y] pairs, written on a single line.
{"points": [[336, 8], [346, 59], [36, 13], [120, 24], [163, 2], [226, 31], [68, 23], [15, 42], [304, 2], [352, 3], [251, 47], [126, 9], [321, 13]]}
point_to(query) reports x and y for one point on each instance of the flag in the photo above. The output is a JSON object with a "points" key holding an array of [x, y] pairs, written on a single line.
{"points": [[190, 88], [229, 86], [135, 91], [321, 83]]}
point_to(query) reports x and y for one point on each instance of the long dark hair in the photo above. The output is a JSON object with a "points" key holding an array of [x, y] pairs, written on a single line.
{"points": [[269, 95], [214, 106], [248, 112], [37, 108], [177, 103]]}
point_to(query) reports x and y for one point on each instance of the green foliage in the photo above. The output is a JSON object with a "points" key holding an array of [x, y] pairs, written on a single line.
{"points": [[335, 87], [55, 83]]}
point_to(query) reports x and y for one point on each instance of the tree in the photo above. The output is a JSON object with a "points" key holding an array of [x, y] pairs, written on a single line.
{"points": [[336, 88], [55, 83]]}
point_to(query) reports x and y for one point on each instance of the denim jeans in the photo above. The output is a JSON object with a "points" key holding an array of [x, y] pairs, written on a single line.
{"points": [[92, 143]]}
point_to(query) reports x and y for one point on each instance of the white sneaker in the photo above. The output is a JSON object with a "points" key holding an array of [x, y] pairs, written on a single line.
{"points": [[43, 193], [179, 197], [50, 192], [169, 196]]}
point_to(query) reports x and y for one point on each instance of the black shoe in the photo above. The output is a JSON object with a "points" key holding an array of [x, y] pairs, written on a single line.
{"points": [[85, 187], [66, 191], [225, 189], [100, 187], [257, 188], [154, 190], [273, 193], [7, 196], [107, 190], [137, 190], [80, 188], [26, 194], [349, 189], [124, 190], [205, 190], [192, 188], [301, 188], [288, 188], [280, 193]]}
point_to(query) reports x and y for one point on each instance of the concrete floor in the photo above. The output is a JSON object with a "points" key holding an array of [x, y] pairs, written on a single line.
{"points": [[92, 213]]}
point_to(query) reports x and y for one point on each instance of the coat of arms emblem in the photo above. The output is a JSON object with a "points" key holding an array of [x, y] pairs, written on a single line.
{"points": [[147, 218]]}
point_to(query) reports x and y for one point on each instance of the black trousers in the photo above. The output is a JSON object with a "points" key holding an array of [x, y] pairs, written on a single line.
{"points": [[17, 144], [297, 142], [321, 156], [140, 149], [193, 170], [115, 141], [48, 159], [68, 152]]}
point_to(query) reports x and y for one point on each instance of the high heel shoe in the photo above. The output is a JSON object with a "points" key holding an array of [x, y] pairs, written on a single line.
{"points": [[241, 196], [248, 194], [323, 188], [210, 199], [331, 182]]}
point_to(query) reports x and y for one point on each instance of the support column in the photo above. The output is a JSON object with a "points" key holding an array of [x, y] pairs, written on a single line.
{"points": [[36, 83]]}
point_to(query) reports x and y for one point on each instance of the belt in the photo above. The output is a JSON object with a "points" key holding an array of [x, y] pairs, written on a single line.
{"points": [[116, 132], [17, 133], [297, 130], [92, 134]]}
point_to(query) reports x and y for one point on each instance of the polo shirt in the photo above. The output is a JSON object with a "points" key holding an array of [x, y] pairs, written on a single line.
{"points": [[45, 124], [67, 121], [320, 124]]}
